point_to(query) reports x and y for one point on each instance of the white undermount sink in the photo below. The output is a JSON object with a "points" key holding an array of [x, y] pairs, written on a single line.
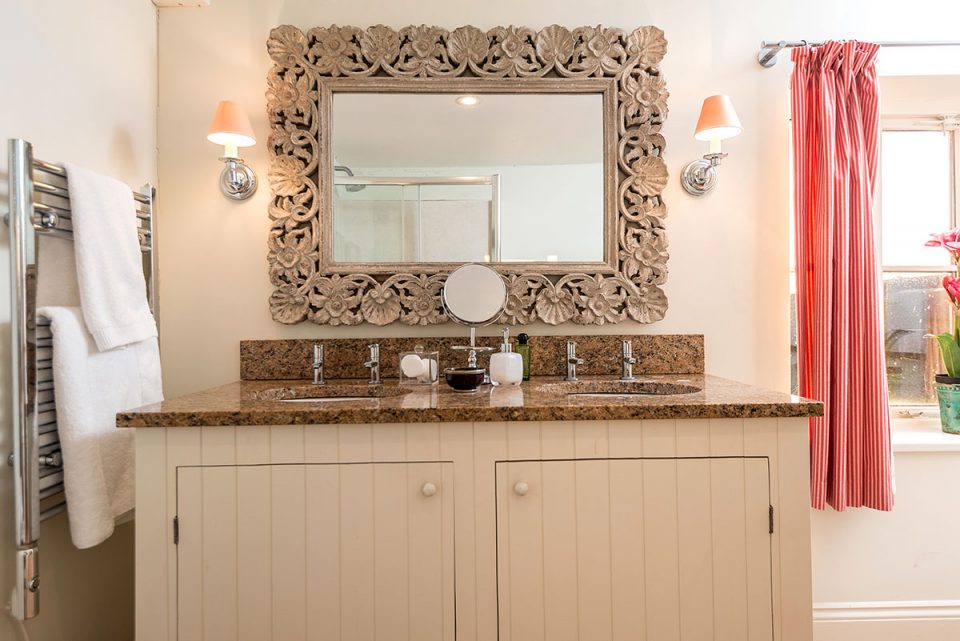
{"points": [[335, 393]]}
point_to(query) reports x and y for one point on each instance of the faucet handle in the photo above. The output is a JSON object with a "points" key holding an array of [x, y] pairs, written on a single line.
{"points": [[318, 364], [373, 364], [627, 350]]}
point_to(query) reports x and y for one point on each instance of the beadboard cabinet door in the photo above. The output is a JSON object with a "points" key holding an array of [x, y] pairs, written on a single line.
{"points": [[634, 549], [345, 552]]}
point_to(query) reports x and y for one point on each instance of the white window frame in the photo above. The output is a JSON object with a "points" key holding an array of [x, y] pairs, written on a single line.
{"points": [[908, 123]]}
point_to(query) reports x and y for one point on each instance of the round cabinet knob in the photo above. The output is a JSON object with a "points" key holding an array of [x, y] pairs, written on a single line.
{"points": [[428, 489], [521, 488]]}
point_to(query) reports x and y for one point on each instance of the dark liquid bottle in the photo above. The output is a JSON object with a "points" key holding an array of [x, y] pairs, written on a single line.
{"points": [[523, 348]]}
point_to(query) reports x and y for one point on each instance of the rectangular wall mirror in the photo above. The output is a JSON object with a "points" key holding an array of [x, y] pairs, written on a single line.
{"points": [[467, 177], [398, 155]]}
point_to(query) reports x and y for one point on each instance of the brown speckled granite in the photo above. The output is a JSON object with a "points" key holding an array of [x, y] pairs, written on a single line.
{"points": [[659, 387], [655, 354], [245, 403]]}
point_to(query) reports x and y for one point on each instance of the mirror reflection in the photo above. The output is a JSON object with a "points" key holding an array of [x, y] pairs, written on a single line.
{"points": [[444, 177]]}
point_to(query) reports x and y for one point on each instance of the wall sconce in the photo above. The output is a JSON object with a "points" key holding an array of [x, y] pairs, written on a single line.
{"points": [[718, 121], [231, 128]]}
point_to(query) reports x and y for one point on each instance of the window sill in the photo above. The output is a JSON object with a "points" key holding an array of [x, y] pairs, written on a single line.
{"points": [[921, 434]]}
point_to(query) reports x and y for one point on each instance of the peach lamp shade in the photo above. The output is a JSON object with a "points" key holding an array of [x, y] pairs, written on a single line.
{"points": [[231, 128], [718, 121]]}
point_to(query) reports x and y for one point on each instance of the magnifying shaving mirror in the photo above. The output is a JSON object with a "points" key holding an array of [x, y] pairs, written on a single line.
{"points": [[473, 295]]}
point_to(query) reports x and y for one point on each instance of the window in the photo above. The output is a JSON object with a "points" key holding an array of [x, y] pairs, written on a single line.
{"points": [[917, 194]]}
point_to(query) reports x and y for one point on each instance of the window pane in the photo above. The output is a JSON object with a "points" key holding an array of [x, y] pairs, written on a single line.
{"points": [[915, 306], [915, 193]]}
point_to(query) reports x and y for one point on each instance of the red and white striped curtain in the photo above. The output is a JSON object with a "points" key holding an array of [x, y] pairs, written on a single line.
{"points": [[836, 126]]}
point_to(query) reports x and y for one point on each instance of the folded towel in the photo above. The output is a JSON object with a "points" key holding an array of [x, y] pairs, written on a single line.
{"points": [[109, 262], [90, 387]]}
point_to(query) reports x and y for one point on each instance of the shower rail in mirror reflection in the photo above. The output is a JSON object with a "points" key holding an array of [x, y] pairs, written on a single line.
{"points": [[401, 219]]}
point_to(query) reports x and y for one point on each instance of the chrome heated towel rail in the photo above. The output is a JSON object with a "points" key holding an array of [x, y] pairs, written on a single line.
{"points": [[40, 206]]}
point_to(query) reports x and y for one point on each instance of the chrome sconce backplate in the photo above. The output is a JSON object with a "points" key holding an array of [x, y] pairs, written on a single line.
{"points": [[237, 180]]}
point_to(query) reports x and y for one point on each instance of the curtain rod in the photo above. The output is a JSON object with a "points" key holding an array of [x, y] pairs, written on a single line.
{"points": [[767, 57]]}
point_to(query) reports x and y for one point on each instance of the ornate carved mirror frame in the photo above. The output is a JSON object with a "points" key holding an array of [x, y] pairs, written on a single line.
{"points": [[310, 67]]}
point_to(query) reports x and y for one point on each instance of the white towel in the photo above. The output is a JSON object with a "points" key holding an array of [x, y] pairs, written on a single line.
{"points": [[90, 387], [109, 262]]}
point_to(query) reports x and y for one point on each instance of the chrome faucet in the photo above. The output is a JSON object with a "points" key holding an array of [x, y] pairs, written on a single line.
{"points": [[373, 363], [627, 362], [318, 364], [572, 361]]}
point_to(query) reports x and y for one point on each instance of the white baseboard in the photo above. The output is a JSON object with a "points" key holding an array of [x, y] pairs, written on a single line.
{"points": [[886, 610], [887, 621]]}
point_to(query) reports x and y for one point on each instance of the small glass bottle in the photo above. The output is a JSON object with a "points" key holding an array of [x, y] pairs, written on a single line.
{"points": [[523, 348]]}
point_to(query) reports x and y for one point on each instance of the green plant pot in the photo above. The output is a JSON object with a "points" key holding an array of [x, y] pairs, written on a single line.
{"points": [[948, 395]]}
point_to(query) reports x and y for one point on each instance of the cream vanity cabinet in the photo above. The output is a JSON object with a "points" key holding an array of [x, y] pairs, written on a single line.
{"points": [[634, 549], [331, 551], [690, 529]]}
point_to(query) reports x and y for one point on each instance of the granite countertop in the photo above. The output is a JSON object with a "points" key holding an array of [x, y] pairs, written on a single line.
{"points": [[540, 399]]}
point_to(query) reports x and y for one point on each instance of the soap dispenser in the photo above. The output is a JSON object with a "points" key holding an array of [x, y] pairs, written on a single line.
{"points": [[506, 366]]}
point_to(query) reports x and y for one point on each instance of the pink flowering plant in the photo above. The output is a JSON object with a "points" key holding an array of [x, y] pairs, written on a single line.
{"points": [[950, 342]]}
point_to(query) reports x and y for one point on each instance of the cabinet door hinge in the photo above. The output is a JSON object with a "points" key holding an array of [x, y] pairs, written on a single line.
{"points": [[176, 530], [770, 515]]}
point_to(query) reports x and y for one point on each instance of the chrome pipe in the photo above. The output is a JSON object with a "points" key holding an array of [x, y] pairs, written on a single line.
{"points": [[495, 237], [901, 43], [769, 49], [57, 170], [52, 491], [151, 264], [61, 212], [56, 233], [627, 361], [373, 363], [572, 361], [318, 364], [53, 190], [50, 168], [23, 338], [412, 181], [53, 511]]}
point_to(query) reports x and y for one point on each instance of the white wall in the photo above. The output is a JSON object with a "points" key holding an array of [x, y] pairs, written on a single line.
{"points": [[892, 576], [79, 81], [920, 94]]}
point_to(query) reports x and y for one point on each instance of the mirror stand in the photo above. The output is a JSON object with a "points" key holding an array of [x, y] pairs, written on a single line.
{"points": [[472, 350]]}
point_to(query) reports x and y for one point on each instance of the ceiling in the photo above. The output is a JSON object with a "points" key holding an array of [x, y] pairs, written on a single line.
{"points": [[429, 130]]}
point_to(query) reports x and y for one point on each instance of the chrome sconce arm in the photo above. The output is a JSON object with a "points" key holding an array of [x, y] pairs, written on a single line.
{"points": [[701, 175]]}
